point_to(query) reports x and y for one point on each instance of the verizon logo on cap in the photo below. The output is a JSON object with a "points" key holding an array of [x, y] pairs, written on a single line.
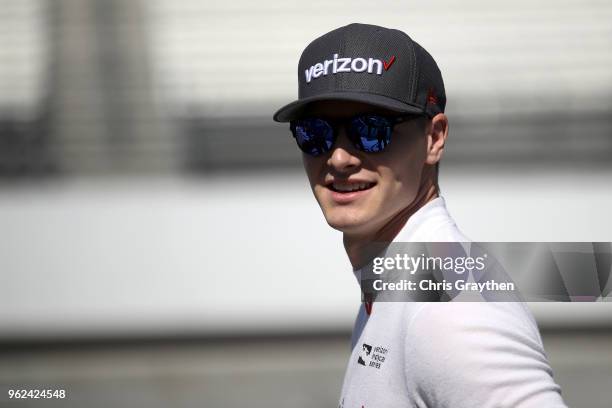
{"points": [[336, 65]]}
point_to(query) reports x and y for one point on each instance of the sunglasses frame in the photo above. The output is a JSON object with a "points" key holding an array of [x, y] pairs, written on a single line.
{"points": [[355, 139]]}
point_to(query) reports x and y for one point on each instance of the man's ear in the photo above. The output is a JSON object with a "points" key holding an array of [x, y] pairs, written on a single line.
{"points": [[437, 132]]}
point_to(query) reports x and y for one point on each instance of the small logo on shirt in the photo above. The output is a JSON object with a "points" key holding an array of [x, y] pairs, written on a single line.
{"points": [[370, 356], [366, 351]]}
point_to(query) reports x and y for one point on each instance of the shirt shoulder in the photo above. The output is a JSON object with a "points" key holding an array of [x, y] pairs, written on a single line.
{"points": [[431, 223], [485, 354]]}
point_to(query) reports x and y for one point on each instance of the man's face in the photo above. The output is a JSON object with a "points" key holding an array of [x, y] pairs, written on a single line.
{"points": [[388, 181]]}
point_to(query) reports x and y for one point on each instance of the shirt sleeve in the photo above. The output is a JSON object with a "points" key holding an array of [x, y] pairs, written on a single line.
{"points": [[477, 354]]}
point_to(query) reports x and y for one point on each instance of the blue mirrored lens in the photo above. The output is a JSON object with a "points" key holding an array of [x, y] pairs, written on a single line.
{"points": [[313, 136], [371, 133]]}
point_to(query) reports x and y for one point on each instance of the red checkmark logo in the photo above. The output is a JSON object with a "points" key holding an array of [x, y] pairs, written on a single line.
{"points": [[388, 64]]}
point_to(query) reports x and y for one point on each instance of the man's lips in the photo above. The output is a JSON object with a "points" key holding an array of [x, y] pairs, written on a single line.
{"points": [[347, 191], [348, 186]]}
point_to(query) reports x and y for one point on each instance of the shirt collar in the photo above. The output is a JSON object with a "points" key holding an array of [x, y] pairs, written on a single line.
{"points": [[413, 230]]}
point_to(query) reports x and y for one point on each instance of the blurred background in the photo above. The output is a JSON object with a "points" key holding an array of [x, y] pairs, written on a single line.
{"points": [[159, 244]]}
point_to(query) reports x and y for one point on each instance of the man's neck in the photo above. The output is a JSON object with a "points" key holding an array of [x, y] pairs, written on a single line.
{"points": [[359, 248]]}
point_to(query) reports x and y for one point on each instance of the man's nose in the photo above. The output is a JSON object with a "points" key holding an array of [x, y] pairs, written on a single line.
{"points": [[344, 155]]}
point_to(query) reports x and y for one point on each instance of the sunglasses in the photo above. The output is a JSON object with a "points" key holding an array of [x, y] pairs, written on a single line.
{"points": [[369, 133]]}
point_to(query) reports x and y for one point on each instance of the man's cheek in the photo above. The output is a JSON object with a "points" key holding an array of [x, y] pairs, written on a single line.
{"points": [[325, 201]]}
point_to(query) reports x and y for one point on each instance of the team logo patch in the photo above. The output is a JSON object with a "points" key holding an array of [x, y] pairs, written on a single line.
{"points": [[371, 356], [345, 64]]}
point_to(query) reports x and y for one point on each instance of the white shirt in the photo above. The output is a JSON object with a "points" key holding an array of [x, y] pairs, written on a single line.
{"points": [[449, 354]]}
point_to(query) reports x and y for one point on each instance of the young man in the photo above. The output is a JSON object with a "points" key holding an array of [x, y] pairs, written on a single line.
{"points": [[370, 122]]}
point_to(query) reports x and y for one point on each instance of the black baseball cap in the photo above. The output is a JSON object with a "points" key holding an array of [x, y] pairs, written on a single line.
{"points": [[370, 64]]}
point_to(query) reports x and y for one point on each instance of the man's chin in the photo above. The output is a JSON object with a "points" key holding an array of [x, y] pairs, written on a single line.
{"points": [[348, 225]]}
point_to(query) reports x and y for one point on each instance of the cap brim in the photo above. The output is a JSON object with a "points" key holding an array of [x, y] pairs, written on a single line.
{"points": [[295, 109]]}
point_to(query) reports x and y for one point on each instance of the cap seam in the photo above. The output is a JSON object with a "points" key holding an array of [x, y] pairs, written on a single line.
{"points": [[417, 75], [339, 78], [414, 64]]}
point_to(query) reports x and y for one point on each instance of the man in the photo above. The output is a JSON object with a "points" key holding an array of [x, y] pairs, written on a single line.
{"points": [[370, 122]]}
